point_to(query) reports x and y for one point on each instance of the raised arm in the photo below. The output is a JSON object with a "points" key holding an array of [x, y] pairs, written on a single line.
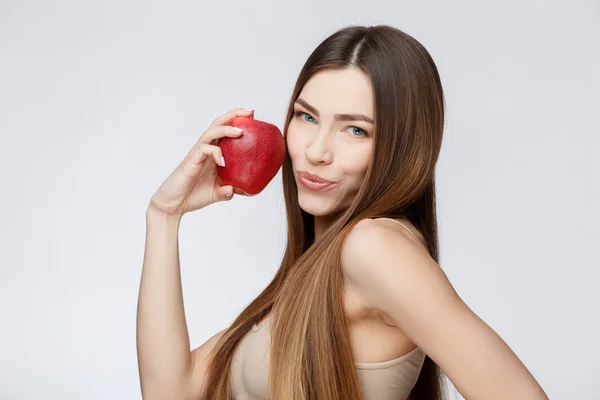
{"points": [[168, 368]]}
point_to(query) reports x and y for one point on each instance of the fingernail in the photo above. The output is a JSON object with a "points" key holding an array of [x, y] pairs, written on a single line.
{"points": [[229, 194], [222, 161], [235, 128], [249, 109]]}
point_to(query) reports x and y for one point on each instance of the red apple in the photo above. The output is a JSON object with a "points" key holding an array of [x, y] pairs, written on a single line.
{"points": [[252, 159]]}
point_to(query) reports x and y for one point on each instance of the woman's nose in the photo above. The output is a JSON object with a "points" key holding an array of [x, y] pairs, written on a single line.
{"points": [[318, 152]]}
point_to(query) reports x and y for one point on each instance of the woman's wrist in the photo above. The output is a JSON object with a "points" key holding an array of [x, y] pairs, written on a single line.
{"points": [[154, 214]]}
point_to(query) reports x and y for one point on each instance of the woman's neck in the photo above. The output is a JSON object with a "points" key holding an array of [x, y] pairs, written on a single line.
{"points": [[322, 223]]}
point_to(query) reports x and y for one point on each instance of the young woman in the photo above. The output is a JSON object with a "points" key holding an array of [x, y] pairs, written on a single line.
{"points": [[359, 307]]}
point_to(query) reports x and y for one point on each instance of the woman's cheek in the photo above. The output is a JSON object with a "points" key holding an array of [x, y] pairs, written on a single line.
{"points": [[355, 163], [293, 147]]}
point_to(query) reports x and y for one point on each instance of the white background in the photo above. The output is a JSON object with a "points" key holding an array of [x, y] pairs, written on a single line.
{"points": [[99, 101]]}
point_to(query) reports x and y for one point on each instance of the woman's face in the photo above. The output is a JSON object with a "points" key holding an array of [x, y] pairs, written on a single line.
{"points": [[330, 136]]}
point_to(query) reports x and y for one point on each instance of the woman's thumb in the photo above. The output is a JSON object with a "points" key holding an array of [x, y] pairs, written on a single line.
{"points": [[225, 193]]}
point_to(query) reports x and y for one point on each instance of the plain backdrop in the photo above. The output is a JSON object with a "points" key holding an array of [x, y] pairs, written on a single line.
{"points": [[99, 101]]}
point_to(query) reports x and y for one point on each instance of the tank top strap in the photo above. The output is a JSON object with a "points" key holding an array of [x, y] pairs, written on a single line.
{"points": [[406, 227]]}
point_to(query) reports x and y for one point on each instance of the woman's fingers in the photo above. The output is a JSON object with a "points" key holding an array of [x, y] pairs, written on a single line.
{"points": [[209, 150], [246, 112], [224, 193], [193, 162], [211, 135], [219, 131]]}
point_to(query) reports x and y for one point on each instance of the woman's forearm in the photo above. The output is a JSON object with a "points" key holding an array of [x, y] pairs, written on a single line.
{"points": [[163, 346]]}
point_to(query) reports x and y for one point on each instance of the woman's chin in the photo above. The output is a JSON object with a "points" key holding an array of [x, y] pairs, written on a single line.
{"points": [[316, 207]]}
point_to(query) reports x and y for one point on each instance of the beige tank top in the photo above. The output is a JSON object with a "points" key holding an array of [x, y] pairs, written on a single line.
{"points": [[387, 380]]}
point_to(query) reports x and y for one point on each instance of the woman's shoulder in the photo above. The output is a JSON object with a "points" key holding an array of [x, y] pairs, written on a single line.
{"points": [[381, 240], [396, 231], [401, 225], [386, 266]]}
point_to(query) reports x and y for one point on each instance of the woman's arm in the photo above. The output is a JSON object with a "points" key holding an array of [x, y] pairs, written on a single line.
{"points": [[167, 368], [163, 346], [393, 275]]}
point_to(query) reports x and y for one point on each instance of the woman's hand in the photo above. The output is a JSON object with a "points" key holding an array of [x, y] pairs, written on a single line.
{"points": [[194, 184]]}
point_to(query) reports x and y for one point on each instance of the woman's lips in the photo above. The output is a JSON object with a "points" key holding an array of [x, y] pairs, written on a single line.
{"points": [[313, 182]]}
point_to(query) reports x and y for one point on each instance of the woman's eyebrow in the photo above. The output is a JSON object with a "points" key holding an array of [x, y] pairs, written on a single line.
{"points": [[337, 117]]}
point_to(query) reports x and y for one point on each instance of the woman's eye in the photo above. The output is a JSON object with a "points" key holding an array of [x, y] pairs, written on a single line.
{"points": [[357, 131], [301, 114]]}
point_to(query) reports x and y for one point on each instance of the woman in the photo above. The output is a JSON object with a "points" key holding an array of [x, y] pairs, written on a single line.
{"points": [[359, 307]]}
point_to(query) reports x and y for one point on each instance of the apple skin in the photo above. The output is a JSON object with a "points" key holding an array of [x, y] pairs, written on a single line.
{"points": [[253, 159]]}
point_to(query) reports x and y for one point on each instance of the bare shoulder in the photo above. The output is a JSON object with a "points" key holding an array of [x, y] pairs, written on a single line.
{"points": [[200, 359], [386, 264], [382, 238]]}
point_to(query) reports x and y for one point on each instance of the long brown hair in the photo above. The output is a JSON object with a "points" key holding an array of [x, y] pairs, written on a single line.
{"points": [[311, 357]]}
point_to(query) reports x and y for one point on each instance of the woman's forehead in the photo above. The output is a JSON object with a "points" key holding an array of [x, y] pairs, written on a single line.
{"points": [[347, 91]]}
